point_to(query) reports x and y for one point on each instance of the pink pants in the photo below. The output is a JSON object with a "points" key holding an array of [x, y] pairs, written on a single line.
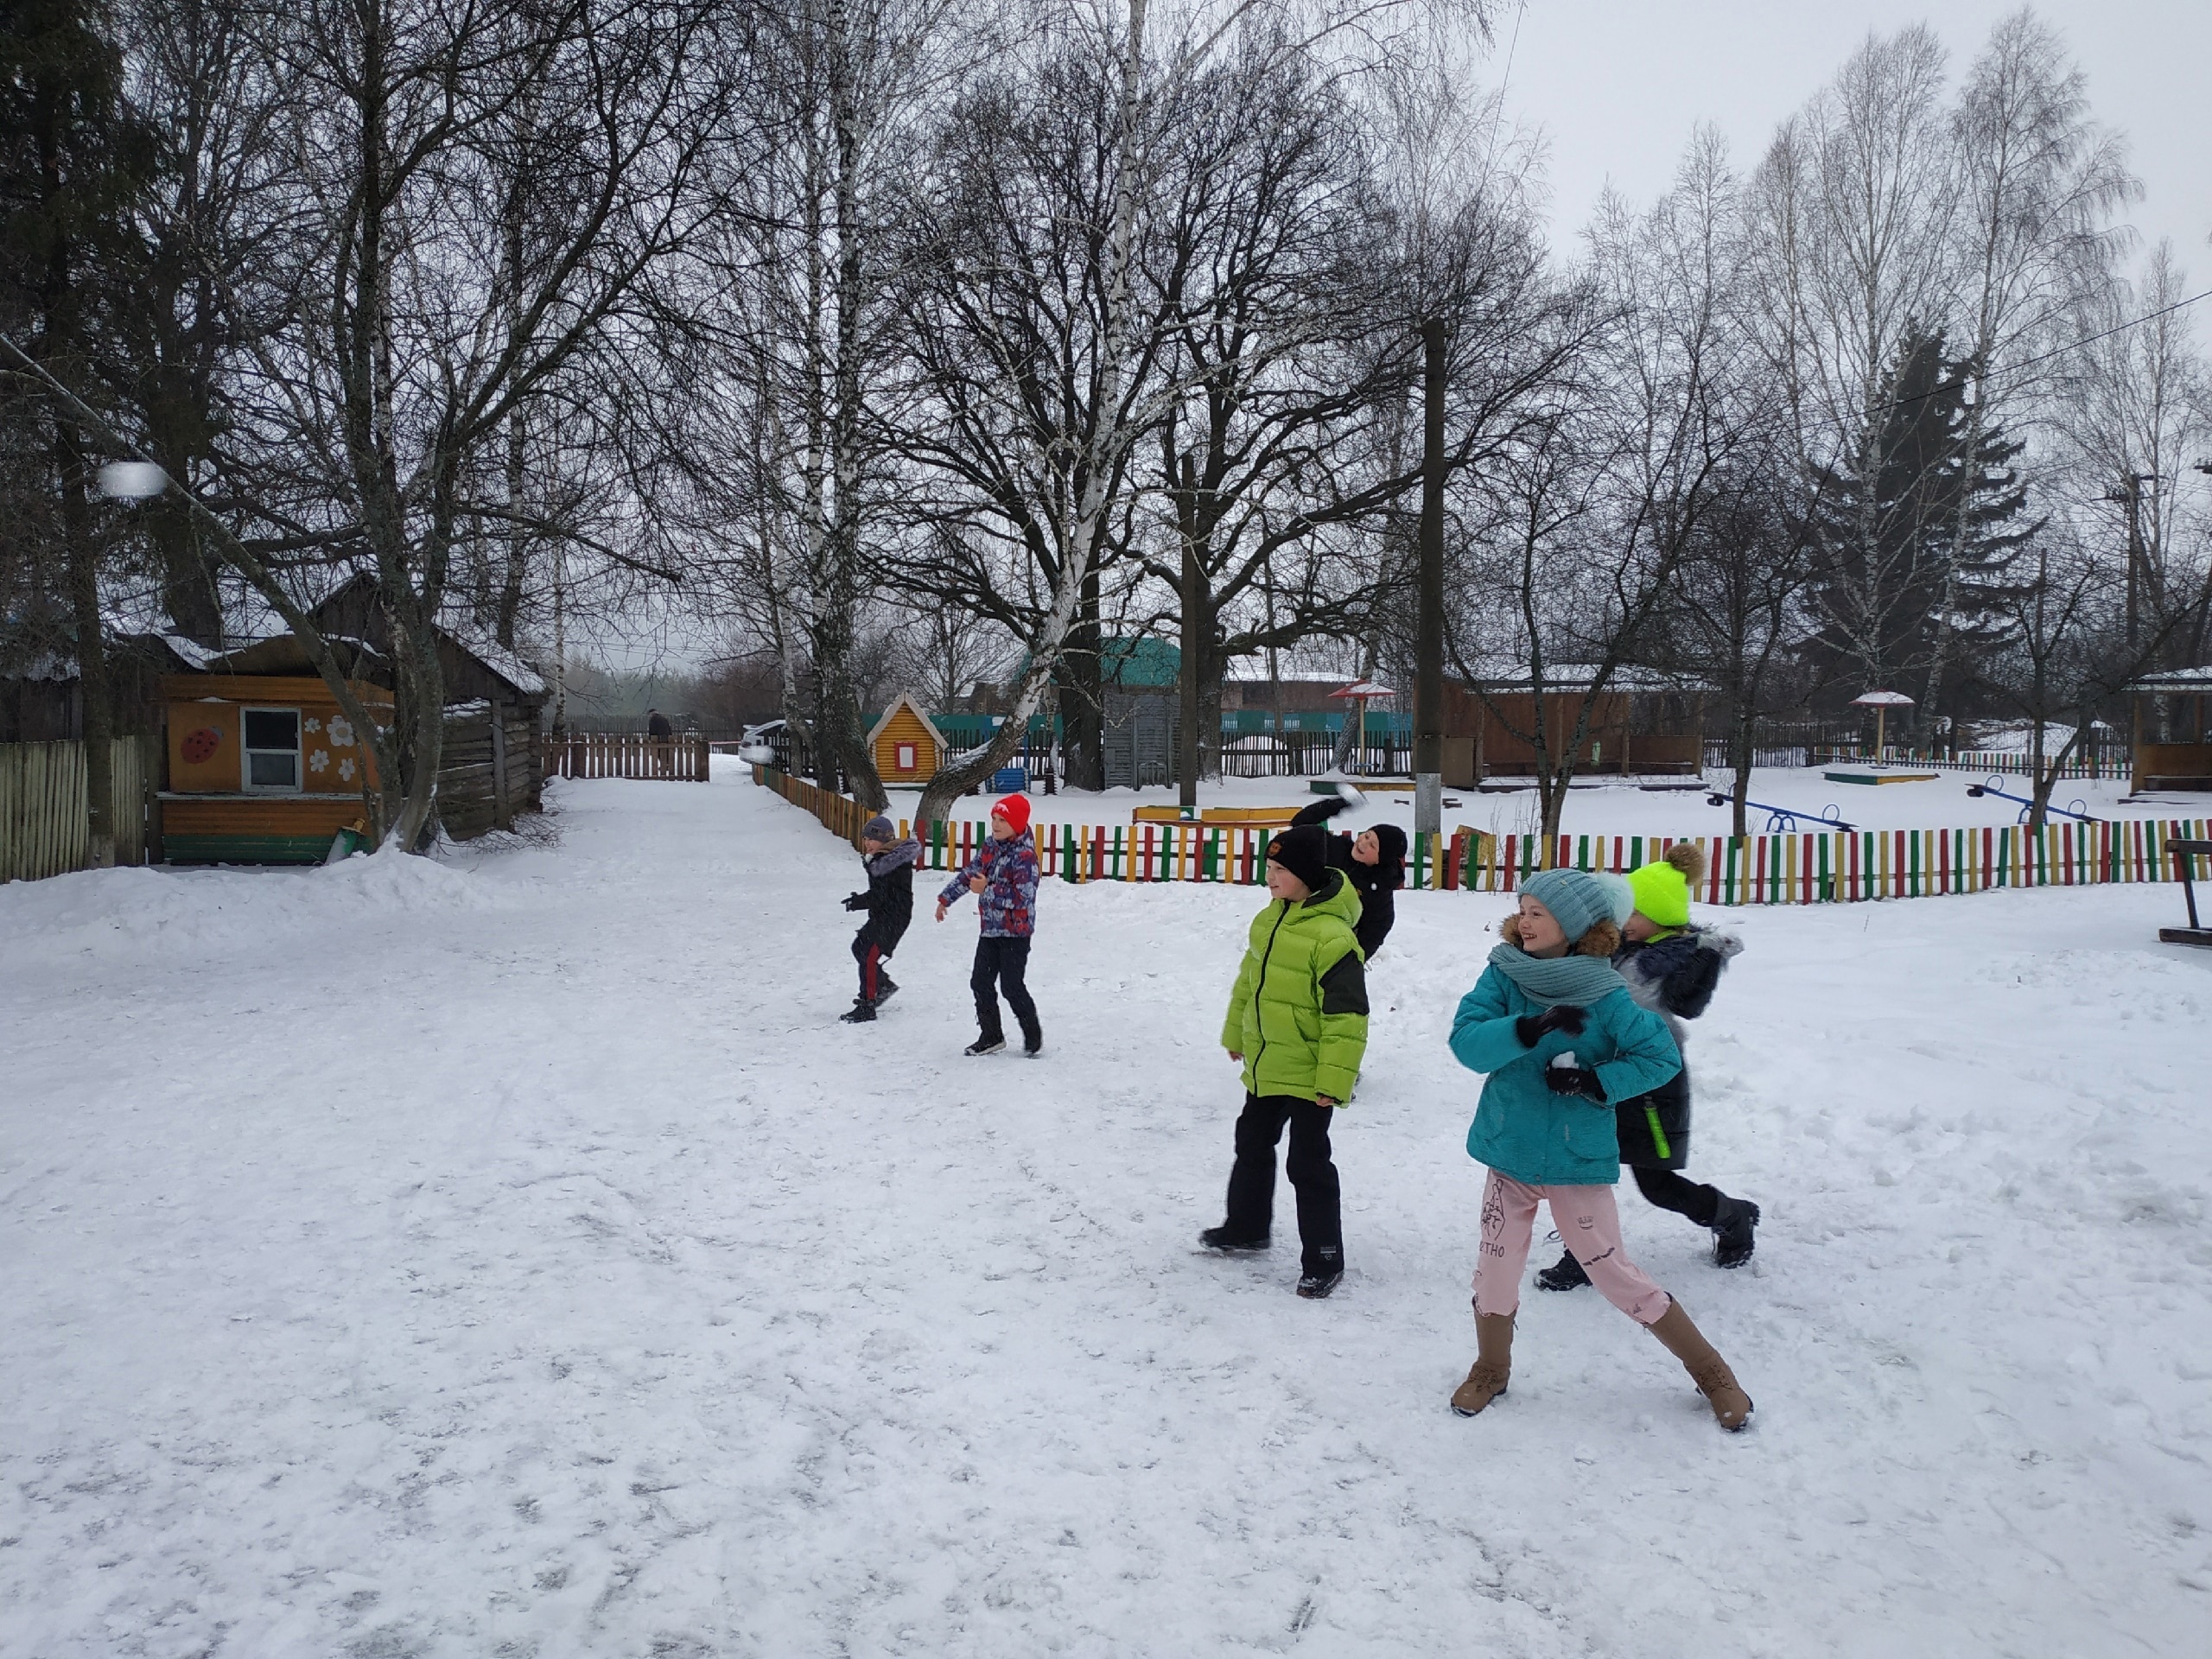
{"points": [[1586, 1220]]}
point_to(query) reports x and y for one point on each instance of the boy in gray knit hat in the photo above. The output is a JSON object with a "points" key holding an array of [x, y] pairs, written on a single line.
{"points": [[889, 902]]}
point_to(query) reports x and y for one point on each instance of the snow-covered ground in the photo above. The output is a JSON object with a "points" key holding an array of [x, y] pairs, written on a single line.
{"points": [[1612, 809], [514, 1256]]}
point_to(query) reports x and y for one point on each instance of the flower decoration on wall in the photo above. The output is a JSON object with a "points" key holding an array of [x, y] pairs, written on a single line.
{"points": [[341, 733], [319, 761], [313, 724], [345, 769]]}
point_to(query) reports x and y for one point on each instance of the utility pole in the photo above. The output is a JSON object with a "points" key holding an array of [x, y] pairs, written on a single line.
{"points": [[1194, 634], [2130, 494], [1428, 622]]}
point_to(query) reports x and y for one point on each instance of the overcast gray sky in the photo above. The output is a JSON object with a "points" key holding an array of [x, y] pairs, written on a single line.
{"points": [[1618, 85]]}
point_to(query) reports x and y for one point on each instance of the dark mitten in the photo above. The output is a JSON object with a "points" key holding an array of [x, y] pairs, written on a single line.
{"points": [[1574, 1080], [857, 901], [1530, 1028]]}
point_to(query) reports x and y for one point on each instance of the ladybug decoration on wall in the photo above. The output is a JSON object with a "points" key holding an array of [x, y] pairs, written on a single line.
{"points": [[199, 747]]}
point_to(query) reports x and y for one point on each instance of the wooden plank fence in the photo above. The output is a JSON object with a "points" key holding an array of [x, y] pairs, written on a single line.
{"points": [[2015, 763], [682, 758], [1797, 869], [43, 816], [841, 815]]}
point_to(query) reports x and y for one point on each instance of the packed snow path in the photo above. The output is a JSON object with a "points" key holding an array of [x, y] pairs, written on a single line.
{"points": [[515, 1256]]}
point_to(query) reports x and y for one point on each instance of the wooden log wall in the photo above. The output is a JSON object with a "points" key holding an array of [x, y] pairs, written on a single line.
{"points": [[43, 816]]}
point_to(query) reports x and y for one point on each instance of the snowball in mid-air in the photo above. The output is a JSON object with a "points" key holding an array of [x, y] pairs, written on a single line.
{"points": [[130, 480]]}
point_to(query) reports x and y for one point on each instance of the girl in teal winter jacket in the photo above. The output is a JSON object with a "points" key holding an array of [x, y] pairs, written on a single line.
{"points": [[1553, 1026]]}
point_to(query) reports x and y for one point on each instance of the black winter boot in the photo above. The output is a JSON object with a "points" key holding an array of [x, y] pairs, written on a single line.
{"points": [[1566, 1274], [1735, 1224], [1220, 1238], [860, 1014], [1321, 1278], [985, 1045], [886, 987]]}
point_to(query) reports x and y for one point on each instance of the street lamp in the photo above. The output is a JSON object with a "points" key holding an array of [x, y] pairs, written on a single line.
{"points": [[132, 480]]}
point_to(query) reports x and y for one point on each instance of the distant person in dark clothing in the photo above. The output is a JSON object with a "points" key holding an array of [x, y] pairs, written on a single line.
{"points": [[663, 736], [1374, 861], [657, 723], [889, 902]]}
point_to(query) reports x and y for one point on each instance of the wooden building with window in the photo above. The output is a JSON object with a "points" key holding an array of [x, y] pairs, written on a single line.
{"points": [[263, 768], [905, 744], [1643, 724]]}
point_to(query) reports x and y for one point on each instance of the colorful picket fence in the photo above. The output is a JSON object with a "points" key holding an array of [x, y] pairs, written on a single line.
{"points": [[1843, 867], [1797, 869]]}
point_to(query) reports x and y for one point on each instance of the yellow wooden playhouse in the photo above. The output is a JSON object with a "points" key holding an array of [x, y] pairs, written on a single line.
{"points": [[907, 748]]}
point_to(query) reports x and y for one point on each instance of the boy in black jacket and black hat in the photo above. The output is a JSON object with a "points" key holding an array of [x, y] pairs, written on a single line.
{"points": [[1374, 861], [889, 902]]}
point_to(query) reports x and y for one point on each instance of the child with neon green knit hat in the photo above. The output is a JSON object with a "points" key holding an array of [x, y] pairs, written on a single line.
{"points": [[1672, 967]]}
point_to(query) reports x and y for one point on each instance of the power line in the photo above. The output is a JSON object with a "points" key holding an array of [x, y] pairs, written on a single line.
{"points": [[1839, 420]]}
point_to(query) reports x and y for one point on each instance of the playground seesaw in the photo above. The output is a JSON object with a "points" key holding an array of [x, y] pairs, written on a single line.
{"points": [[2075, 810], [1781, 821]]}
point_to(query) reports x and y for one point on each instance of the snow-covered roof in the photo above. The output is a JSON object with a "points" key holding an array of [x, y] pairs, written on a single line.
{"points": [[2197, 680], [1581, 676], [903, 701]]}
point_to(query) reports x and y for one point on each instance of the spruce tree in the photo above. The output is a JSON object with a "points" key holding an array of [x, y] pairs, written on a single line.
{"points": [[1921, 522]]}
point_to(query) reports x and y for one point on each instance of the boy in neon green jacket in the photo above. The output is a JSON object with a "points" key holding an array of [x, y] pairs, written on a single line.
{"points": [[1297, 1022]]}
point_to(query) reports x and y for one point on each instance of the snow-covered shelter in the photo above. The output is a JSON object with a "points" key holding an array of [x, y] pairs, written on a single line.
{"points": [[2165, 707], [1642, 722]]}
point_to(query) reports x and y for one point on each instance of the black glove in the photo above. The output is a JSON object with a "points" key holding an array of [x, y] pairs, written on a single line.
{"points": [[857, 901], [1530, 1028], [1574, 1080]]}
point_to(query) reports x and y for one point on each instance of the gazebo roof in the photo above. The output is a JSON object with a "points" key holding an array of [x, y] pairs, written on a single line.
{"points": [[2196, 681]]}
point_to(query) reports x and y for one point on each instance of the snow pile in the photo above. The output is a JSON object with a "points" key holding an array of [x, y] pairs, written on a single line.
{"points": [[556, 1276], [121, 915]]}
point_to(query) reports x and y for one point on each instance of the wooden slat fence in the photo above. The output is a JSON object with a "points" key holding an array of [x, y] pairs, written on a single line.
{"points": [[43, 817], [1798, 869], [682, 760], [2012, 763], [840, 814]]}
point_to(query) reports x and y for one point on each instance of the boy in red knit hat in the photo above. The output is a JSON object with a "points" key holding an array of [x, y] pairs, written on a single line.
{"points": [[1004, 877]]}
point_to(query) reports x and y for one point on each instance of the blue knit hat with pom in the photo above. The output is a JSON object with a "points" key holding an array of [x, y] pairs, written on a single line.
{"points": [[1578, 901]]}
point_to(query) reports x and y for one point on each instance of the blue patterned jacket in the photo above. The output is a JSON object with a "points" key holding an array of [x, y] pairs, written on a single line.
{"points": [[1008, 900]]}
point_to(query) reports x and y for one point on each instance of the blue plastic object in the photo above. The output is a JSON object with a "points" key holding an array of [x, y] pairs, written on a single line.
{"points": [[1010, 780], [2027, 804], [1781, 821]]}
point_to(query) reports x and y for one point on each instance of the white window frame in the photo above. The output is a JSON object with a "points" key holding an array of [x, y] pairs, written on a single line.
{"points": [[298, 785], [909, 757]]}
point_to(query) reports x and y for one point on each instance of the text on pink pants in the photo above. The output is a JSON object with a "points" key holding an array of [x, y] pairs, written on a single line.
{"points": [[1587, 1220]]}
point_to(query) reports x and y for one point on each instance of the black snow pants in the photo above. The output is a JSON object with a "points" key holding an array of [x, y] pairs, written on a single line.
{"points": [[1001, 966], [1312, 1176]]}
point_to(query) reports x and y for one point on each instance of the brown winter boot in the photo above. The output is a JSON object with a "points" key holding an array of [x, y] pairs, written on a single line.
{"points": [[1731, 1406], [1493, 1364]]}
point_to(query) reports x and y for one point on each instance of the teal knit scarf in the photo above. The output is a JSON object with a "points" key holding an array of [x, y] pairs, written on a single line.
{"points": [[1576, 980]]}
